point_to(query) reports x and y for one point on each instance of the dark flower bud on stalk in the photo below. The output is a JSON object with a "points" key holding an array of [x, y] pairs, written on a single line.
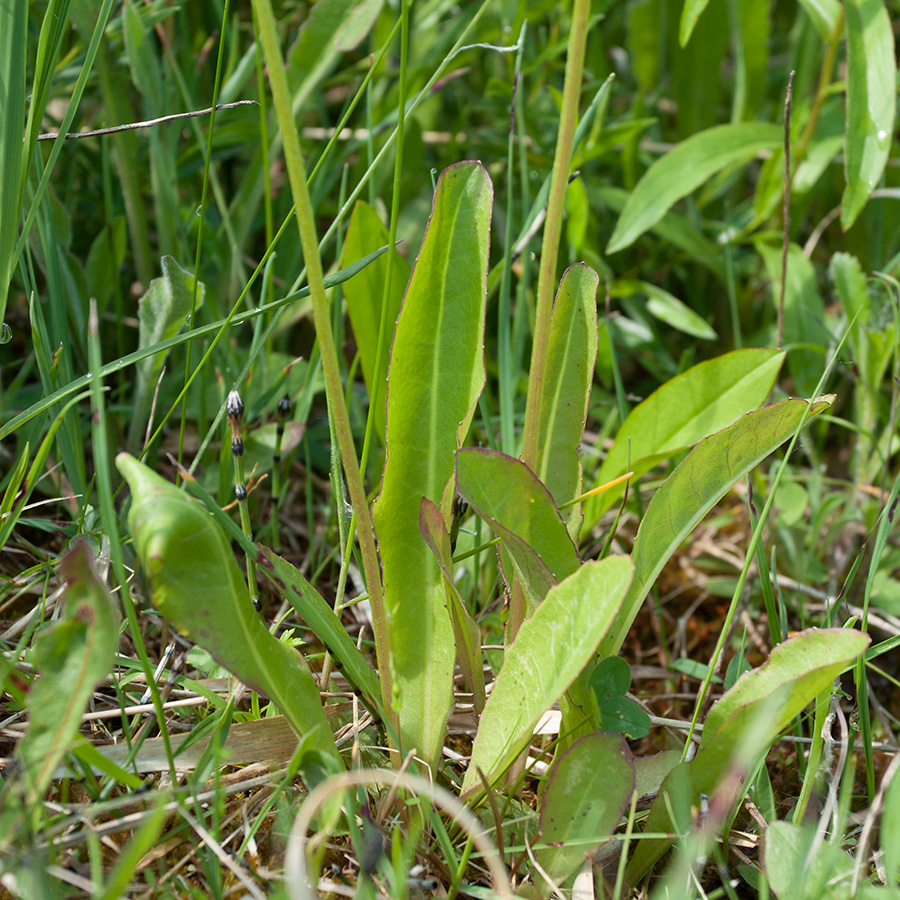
{"points": [[240, 492], [234, 412]]}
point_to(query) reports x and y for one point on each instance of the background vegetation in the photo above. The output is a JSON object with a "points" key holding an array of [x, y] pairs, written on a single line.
{"points": [[181, 237]]}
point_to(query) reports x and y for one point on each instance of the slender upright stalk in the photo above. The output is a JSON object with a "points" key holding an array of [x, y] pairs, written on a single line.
{"points": [[282, 412], [234, 413], [581, 10], [333, 390]]}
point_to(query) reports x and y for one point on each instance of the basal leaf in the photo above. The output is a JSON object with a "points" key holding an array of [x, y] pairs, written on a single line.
{"points": [[688, 494], [571, 355], [510, 497], [364, 295], [588, 789], [550, 650], [705, 399], [435, 377], [744, 723], [72, 656], [196, 583], [689, 165], [871, 102]]}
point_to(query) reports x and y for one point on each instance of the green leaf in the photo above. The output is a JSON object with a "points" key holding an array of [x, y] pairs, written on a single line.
{"points": [[871, 102], [824, 14], [364, 296], [689, 165], [466, 632], [624, 716], [196, 583], [670, 310], [571, 355], [701, 480], [435, 378], [588, 790], [802, 866], [72, 656], [521, 512], [13, 44], [690, 13], [741, 727], [890, 831], [611, 678], [162, 312], [141, 52], [703, 400], [312, 608], [332, 28], [551, 648]]}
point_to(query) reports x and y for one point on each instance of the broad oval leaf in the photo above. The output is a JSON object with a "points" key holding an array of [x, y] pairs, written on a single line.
{"points": [[196, 583], [691, 163], [871, 102], [550, 650], [705, 399], [588, 789], [701, 480], [435, 377]]}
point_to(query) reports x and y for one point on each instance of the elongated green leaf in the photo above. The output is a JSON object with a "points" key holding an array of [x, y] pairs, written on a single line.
{"points": [[13, 44], [132, 358], [801, 866], [671, 311], [466, 632], [333, 28], [689, 493], [571, 355], [587, 791], [72, 657], [871, 102], [690, 12], [762, 703], [162, 312], [311, 606], [691, 163], [551, 648], [703, 400], [364, 296], [520, 510], [824, 15], [435, 377], [196, 583]]}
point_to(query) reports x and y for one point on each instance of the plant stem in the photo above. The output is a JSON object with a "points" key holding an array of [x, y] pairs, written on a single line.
{"points": [[562, 159], [333, 391]]}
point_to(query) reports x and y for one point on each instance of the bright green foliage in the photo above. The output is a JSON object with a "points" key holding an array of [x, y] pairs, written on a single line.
{"points": [[690, 12], [871, 101], [196, 583], [742, 725], [599, 767], [703, 400], [550, 650], [435, 377], [72, 656], [365, 295], [710, 469], [571, 355], [689, 165]]}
